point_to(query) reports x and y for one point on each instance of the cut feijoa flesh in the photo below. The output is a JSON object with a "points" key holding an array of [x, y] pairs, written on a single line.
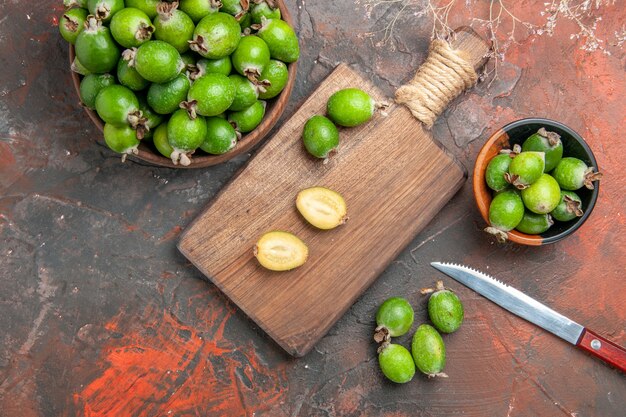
{"points": [[280, 251], [322, 207]]}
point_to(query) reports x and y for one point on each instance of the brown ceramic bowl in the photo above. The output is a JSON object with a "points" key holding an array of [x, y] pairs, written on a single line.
{"points": [[515, 133], [275, 108]]}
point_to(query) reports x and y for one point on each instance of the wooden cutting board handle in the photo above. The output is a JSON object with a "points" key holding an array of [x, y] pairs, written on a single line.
{"points": [[451, 68]]}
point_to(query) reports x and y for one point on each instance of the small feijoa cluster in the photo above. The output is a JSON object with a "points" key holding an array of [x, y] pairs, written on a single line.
{"points": [[534, 185], [322, 208], [348, 107], [185, 74], [428, 352]]}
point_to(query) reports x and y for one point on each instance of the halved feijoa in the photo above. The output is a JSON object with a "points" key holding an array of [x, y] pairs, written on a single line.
{"points": [[280, 251], [322, 207]]}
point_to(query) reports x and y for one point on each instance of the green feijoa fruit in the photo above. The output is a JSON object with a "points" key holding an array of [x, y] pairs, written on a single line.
{"points": [[189, 59], [429, 351], [247, 120], [211, 66], [216, 36], [151, 119], [281, 40], [543, 195], [158, 61], [197, 9], [91, 85], [525, 169], [496, 170], [185, 134], [104, 10], [233, 7], [350, 107], [160, 140], [505, 212], [251, 56], [121, 139], [444, 308], [273, 79], [129, 76], [569, 207], [393, 318], [572, 174], [320, 136], [264, 10], [75, 3], [165, 98], [72, 23], [95, 47], [221, 136], [173, 26], [245, 21], [548, 143], [396, 363], [246, 93], [146, 6], [534, 224], [211, 94], [79, 68], [131, 27], [116, 103]]}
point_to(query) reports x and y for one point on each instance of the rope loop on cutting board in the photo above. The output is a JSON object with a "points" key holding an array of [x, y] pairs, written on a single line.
{"points": [[444, 75]]}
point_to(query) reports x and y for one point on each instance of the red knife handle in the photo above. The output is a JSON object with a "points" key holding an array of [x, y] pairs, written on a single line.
{"points": [[604, 349]]}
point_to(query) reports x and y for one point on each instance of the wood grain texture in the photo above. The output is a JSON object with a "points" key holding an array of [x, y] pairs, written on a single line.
{"points": [[394, 178]]}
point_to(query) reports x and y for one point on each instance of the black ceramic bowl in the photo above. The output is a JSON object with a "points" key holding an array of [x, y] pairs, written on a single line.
{"points": [[515, 133]]}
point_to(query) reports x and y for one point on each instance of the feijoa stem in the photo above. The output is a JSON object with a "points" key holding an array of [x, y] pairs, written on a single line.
{"points": [[71, 23], [573, 206], [383, 346], [438, 287], [517, 149], [190, 106], [144, 32], [590, 177], [553, 137], [381, 335], [166, 10], [129, 55], [198, 45], [499, 234]]}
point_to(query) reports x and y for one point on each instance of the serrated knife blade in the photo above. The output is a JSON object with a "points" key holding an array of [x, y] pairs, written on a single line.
{"points": [[535, 312]]}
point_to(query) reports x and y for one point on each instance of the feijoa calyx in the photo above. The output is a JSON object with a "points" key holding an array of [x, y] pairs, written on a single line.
{"points": [[393, 318], [350, 107], [396, 363], [429, 351], [280, 251], [444, 308]]}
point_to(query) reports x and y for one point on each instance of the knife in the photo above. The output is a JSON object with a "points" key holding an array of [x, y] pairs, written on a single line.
{"points": [[533, 311]]}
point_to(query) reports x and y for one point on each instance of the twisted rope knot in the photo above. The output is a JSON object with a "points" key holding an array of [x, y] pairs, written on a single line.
{"points": [[445, 74]]}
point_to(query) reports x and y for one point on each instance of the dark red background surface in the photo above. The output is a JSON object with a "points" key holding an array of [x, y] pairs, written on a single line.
{"points": [[101, 316]]}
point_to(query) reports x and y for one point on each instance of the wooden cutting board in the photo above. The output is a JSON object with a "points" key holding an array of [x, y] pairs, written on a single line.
{"points": [[394, 178]]}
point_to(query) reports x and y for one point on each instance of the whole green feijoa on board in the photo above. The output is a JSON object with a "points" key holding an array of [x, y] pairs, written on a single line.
{"points": [[131, 27], [165, 98], [211, 94], [248, 119], [221, 136], [158, 61], [573, 173], [525, 169], [273, 79], [320, 136], [396, 363], [569, 207], [496, 170], [505, 212], [91, 85], [534, 224], [95, 47], [547, 142], [350, 107], [173, 26], [216, 36], [444, 309], [281, 40], [104, 10], [71, 23], [429, 351], [394, 318], [542, 196]]}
